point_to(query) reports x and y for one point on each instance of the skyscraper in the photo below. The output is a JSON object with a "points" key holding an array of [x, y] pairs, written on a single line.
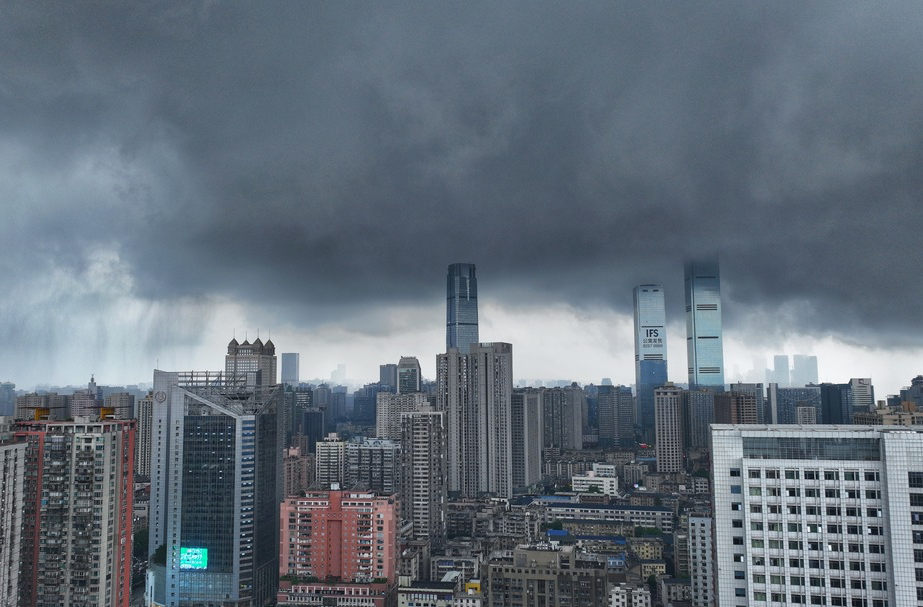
{"points": [[475, 392], [526, 438], [461, 314], [290, 368], [650, 352], [817, 515], [615, 415], [781, 373], [76, 544], [408, 375], [7, 399], [257, 358], [704, 349], [144, 415], [804, 370], [216, 485]]}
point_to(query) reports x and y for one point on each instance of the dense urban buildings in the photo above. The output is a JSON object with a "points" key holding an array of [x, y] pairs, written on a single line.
{"points": [[650, 352], [77, 536], [704, 337], [216, 485], [823, 515], [461, 316], [389, 409]]}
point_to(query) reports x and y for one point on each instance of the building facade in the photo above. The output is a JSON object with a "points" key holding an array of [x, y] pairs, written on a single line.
{"points": [[650, 351], [461, 316], [669, 426], [373, 462], [77, 515], [409, 375], [12, 501], [424, 490], [389, 408], [338, 548], [256, 358], [144, 417], [291, 363], [216, 485], [704, 336], [824, 515], [475, 391]]}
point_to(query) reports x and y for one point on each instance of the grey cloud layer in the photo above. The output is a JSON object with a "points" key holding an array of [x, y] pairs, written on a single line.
{"points": [[323, 155]]}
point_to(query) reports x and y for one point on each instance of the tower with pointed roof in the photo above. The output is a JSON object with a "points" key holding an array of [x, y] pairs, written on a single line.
{"points": [[255, 358]]}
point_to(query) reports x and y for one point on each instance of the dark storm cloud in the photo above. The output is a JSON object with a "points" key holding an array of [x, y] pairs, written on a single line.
{"points": [[330, 155]]}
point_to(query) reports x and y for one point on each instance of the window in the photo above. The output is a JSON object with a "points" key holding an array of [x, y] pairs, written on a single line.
{"points": [[791, 475], [738, 541], [811, 492], [736, 506], [832, 493], [735, 472], [735, 489], [916, 499], [759, 578], [915, 480], [737, 524], [756, 491], [756, 526], [754, 543], [871, 476], [756, 508], [793, 492], [753, 474], [831, 475], [833, 511], [852, 512], [794, 509], [810, 475], [772, 474], [740, 575], [776, 579], [740, 592]]}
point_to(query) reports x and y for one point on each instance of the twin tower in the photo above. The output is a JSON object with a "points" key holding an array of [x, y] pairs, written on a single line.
{"points": [[704, 343]]}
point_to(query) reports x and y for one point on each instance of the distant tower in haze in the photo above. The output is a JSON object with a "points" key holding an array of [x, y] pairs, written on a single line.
{"points": [[704, 341], [804, 370], [257, 358], [461, 307], [290, 371], [650, 352], [781, 371]]}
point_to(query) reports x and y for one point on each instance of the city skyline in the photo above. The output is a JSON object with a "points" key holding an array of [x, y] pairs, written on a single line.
{"points": [[163, 188]]}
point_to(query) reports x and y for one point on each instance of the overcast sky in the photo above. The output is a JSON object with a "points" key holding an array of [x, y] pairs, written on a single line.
{"points": [[173, 173]]}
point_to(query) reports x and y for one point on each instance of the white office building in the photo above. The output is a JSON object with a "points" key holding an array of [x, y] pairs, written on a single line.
{"points": [[818, 515]]}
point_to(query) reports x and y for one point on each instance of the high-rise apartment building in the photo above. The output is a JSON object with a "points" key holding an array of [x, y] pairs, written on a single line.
{"points": [[758, 393], [76, 542], [526, 439], [704, 338], [818, 515], [373, 462], [475, 391], [461, 316], [256, 358], [423, 473], [118, 405], [669, 427], [216, 485], [291, 361], [12, 501], [330, 460], [562, 417], [144, 418], [339, 547], [650, 352], [389, 409], [297, 471], [804, 370], [699, 414], [409, 375], [701, 560], [615, 416], [736, 408]]}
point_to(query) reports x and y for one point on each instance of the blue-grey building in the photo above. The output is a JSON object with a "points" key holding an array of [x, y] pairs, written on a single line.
{"points": [[650, 352], [784, 403], [461, 307], [216, 486], [704, 341]]}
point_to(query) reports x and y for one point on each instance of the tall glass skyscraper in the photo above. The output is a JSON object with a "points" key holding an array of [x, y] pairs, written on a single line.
{"points": [[461, 307], [704, 342], [650, 352]]}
